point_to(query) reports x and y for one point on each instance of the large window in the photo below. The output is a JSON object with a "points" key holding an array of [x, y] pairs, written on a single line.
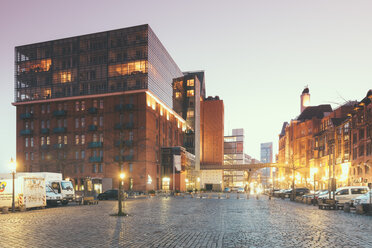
{"points": [[190, 93]]}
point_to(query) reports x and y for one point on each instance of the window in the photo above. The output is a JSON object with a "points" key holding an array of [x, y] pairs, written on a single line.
{"points": [[101, 137], [361, 133], [190, 93], [94, 137], [64, 122], [83, 139], [343, 192], [26, 142], [65, 140], [42, 141], [131, 135], [82, 154], [190, 82], [361, 150], [48, 124], [82, 105], [32, 125], [101, 121], [100, 168], [48, 108], [355, 153], [77, 106], [355, 138], [82, 122], [77, 155], [358, 191], [178, 94], [59, 139], [95, 104], [76, 139], [190, 113], [101, 104], [42, 156], [42, 124], [32, 142], [59, 123], [26, 125], [95, 121], [94, 168], [76, 122], [26, 156], [43, 109], [130, 167], [48, 140], [31, 156], [82, 170]]}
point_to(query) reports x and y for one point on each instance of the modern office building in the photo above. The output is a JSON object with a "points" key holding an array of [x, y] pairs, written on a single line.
{"points": [[188, 92], [234, 154], [97, 104]]}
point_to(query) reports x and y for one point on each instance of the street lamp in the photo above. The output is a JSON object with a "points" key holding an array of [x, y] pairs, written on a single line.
{"points": [[13, 168], [314, 171], [120, 194]]}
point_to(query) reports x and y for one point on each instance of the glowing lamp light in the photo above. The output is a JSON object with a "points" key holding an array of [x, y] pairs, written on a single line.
{"points": [[198, 179], [122, 176], [186, 180], [13, 165]]}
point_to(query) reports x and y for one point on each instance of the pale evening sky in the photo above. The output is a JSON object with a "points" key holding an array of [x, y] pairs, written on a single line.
{"points": [[257, 55]]}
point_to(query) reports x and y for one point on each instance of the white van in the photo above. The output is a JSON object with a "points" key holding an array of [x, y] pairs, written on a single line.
{"points": [[348, 194]]}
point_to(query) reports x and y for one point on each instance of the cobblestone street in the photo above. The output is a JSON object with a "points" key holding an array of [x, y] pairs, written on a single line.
{"points": [[186, 222]]}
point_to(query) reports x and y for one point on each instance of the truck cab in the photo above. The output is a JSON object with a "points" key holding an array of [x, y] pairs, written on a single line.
{"points": [[66, 189], [52, 197]]}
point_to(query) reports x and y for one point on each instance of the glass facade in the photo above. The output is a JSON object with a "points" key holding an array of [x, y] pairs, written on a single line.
{"points": [[119, 60]]}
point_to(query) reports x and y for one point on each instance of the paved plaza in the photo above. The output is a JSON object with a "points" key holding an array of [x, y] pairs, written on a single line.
{"points": [[186, 222]]}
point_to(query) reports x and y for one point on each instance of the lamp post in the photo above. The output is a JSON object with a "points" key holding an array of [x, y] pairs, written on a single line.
{"points": [[120, 194], [13, 167], [315, 170]]}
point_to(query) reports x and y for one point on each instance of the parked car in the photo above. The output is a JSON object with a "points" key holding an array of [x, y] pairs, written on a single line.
{"points": [[227, 190], [346, 194], [111, 194], [363, 199], [299, 192]]}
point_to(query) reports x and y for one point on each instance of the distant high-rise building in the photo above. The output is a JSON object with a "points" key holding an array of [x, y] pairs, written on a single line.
{"points": [[266, 156]]}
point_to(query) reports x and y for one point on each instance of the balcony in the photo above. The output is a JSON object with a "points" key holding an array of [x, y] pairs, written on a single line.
{"points": [[95, 159], [124, 158], [129, 125], [119, 126], [45, 130], [44, 147], [26, 116], [121, 107], [92, 128], [26, 132], [95, 144], [124, 143], [92, 110], [58, 146], [59, 130], [59, 113]]}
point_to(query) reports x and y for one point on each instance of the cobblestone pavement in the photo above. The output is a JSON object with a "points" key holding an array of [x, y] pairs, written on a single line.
{"points": [[186, 222]]}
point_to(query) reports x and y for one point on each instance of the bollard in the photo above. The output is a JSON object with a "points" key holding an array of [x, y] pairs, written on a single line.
{"points": [[359, 209], [4, 210], [237, 196], [201, 196], [22, 209], [192, 195], [227, 196], [219, 196], [347, 207], [209, 196], [247, 196]]}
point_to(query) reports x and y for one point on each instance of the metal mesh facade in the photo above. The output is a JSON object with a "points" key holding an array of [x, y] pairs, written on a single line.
{"points": [[113, 61]]}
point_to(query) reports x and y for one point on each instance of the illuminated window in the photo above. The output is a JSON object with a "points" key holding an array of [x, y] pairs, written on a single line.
{"points": [[48, 140], [178, 94], [59, 139], [190, 113], [190, 93], [47, 93], [76, 139], [42, 142], [190, 82], [65, 77]]}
